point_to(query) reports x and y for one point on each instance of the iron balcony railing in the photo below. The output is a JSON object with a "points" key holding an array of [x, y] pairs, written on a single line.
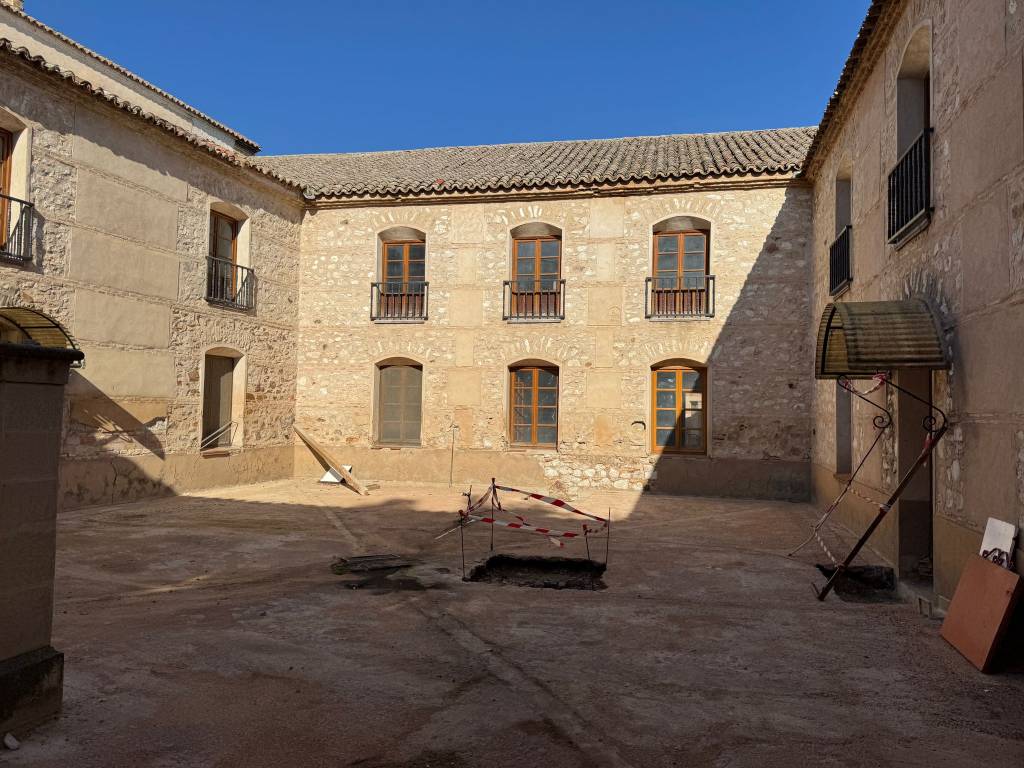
{"points": [[910, 196], [399, 302], [230, 284], [839, 272], [680, 296], [533, 299], [16, 218]]}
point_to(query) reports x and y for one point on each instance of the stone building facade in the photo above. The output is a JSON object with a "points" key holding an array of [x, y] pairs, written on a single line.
{"points": [[967, 262], [132, 191], [604, 348], [122, 197]]}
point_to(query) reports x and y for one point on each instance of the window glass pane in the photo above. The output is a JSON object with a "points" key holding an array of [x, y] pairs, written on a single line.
{"points": [[693, 261], [694, 244], [525, 249], [666, 379], [693, 440], [691, 380], [522, 415], [225, 229], [547, 397], [665, 418], [668, 244], [549, 266], [526, 285], [522, 397], [521, 435], [666, 399], [390, 431], [694, 419], [394, 252], [665, 438], [394, 269], [693, 401], [524, 377], [668, 262], [547, 416], [417, 251], [667, 282], [550, 247], [417, 269], [547, 378], [546, 435], [525, 266], [547, 284], [694, 281]]}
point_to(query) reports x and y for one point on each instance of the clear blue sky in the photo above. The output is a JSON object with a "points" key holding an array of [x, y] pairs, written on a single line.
{"points": [[358, 75]]}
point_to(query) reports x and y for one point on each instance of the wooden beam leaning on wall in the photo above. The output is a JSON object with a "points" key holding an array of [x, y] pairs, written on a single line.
{"points": [[329, 462]]}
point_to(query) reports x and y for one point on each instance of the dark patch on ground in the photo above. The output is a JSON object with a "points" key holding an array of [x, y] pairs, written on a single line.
{"points": [[376, 573], [544, 572], [864, 583]]}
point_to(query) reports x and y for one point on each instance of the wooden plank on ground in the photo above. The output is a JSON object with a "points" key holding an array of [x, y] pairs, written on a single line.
{"points": [[980, 610], [332, 463]]}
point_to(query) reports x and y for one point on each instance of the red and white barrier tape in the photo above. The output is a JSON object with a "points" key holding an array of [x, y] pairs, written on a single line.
{"points": [[880, 380], [564, 505], [526, 527]]}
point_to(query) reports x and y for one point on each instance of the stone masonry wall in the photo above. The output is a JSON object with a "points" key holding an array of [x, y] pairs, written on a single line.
{"points": [[969, 263], [120, 259], [756, 346]]}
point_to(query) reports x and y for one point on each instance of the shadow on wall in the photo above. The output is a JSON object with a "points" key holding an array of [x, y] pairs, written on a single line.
{"points": [[102, 428], [759, 377]]}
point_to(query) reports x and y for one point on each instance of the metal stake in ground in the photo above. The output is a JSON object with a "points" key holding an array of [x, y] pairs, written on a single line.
{"points": [[608, 539]]}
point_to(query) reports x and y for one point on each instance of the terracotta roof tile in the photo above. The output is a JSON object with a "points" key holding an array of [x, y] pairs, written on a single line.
{"points": [[508, 167]]}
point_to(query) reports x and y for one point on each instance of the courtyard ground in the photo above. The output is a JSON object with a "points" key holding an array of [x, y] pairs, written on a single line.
{"points": [[209, 630]]}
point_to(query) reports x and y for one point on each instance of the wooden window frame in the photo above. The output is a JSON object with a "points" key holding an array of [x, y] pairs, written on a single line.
{"points": [[538, 302], [385, 244], [680, 409], [535, 388], [214, 217], [6, 160], [680, 236], [379, 411]]}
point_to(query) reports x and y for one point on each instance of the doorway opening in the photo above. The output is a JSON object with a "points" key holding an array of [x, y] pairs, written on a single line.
{"points": [[223, 399], [914, 511]]}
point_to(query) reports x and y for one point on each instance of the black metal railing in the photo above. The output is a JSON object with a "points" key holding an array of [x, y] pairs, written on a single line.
{"points": [[230, 284], [399, 302], [839, 272], [910, 196], [16, 218], [533, 299], [680, 296]]}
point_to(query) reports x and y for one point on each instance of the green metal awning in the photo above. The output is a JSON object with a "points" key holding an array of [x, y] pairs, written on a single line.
{"points": [[858, 339], [32, 327]]}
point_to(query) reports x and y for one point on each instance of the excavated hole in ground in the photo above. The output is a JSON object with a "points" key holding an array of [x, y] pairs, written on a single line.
{"points": [[542, 572]]}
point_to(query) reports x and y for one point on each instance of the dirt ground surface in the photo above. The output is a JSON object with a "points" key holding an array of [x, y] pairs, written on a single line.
{"points": [[209, 630]]}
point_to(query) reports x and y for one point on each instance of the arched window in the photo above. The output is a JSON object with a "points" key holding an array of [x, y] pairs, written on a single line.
{"points": [[840, 265], [910, 179], [679, 407], [535, 291], [16, 213], [680, 270], [399, 402], [229, 280], [401, 293], [533, 405]]}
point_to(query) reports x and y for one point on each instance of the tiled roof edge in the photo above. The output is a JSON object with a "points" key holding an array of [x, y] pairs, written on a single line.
{"points": [[132, 76], [852, 69], [234, 158]]}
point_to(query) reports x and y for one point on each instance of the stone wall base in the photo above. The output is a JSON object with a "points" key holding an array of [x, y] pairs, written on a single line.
{"points": [[571, 475], [118, 479], [31, 689]]}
